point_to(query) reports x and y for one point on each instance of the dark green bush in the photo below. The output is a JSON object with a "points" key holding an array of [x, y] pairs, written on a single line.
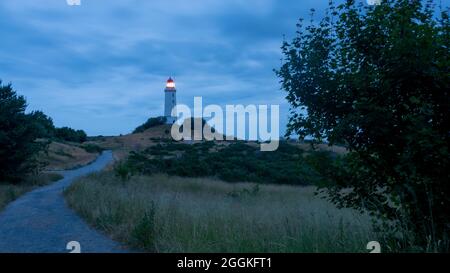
{"points": [[237, 162], [123, 170], [151, 122], [69, 134]]}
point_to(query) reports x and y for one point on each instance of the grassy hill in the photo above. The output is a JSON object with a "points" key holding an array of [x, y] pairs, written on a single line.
{"points": [[64, 156], [221, 196], [197, 196], [124, 144], [137, 141]]}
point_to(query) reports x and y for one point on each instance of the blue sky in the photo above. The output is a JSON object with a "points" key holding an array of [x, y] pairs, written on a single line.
{"points": [[102, 66]]}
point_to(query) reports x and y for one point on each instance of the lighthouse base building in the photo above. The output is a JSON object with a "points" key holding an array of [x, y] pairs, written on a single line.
{"points": [[170, 110]]}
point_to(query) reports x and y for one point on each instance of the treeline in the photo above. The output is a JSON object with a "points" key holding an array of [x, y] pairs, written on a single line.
{"points": [[23, 135], [69, 134], [46, 129]]}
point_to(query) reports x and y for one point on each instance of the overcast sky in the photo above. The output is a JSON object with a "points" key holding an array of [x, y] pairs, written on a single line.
{"points": [[102, 66]]}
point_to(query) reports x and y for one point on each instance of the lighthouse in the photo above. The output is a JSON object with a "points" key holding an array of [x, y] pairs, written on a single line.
{"points": [[170, 101]]}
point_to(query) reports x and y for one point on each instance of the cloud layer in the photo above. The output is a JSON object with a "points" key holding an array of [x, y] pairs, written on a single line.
{"points": [[102, 66]]}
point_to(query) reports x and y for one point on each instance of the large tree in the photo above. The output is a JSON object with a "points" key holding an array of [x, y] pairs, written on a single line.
{"points": [[376, 79], [18, 136]]}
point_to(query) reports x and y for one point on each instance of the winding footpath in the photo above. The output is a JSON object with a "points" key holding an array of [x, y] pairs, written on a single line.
{"points": [[41, 222]]}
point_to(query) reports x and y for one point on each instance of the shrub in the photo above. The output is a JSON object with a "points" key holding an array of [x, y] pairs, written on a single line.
{"points": [[151, 122], [144, 232], [123, 171], [92, 148], [238, 162]]}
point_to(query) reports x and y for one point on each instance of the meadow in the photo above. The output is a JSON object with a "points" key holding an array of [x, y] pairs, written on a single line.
{"points": [[161, 213]]}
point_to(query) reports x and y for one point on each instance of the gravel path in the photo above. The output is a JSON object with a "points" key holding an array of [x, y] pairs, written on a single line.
{"points": [[41, 222]]}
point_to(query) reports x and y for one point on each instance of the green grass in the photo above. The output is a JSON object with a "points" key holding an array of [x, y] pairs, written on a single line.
{"points": [[10, 192], [161, 213]]}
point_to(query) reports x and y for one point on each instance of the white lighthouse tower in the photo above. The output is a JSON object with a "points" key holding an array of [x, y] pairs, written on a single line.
{"points": [[171, 101]]}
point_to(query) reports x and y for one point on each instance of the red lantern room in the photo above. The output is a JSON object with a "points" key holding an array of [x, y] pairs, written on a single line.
{"points": [[170, 83]]}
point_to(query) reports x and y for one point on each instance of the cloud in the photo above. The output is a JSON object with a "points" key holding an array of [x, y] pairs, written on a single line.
{"points": [[102, 66]]}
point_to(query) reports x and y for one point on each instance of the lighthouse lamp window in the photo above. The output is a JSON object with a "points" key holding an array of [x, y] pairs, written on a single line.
{"points": [[170, 84]]}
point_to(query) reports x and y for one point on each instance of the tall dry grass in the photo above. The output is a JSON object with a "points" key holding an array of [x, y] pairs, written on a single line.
{"points": [[173, 214]]}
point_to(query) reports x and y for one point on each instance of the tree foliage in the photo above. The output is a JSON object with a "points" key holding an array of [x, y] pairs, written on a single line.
{"points": [[43, 124], [69, 134], [23, 135], [18, 134], [377, 79]]}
